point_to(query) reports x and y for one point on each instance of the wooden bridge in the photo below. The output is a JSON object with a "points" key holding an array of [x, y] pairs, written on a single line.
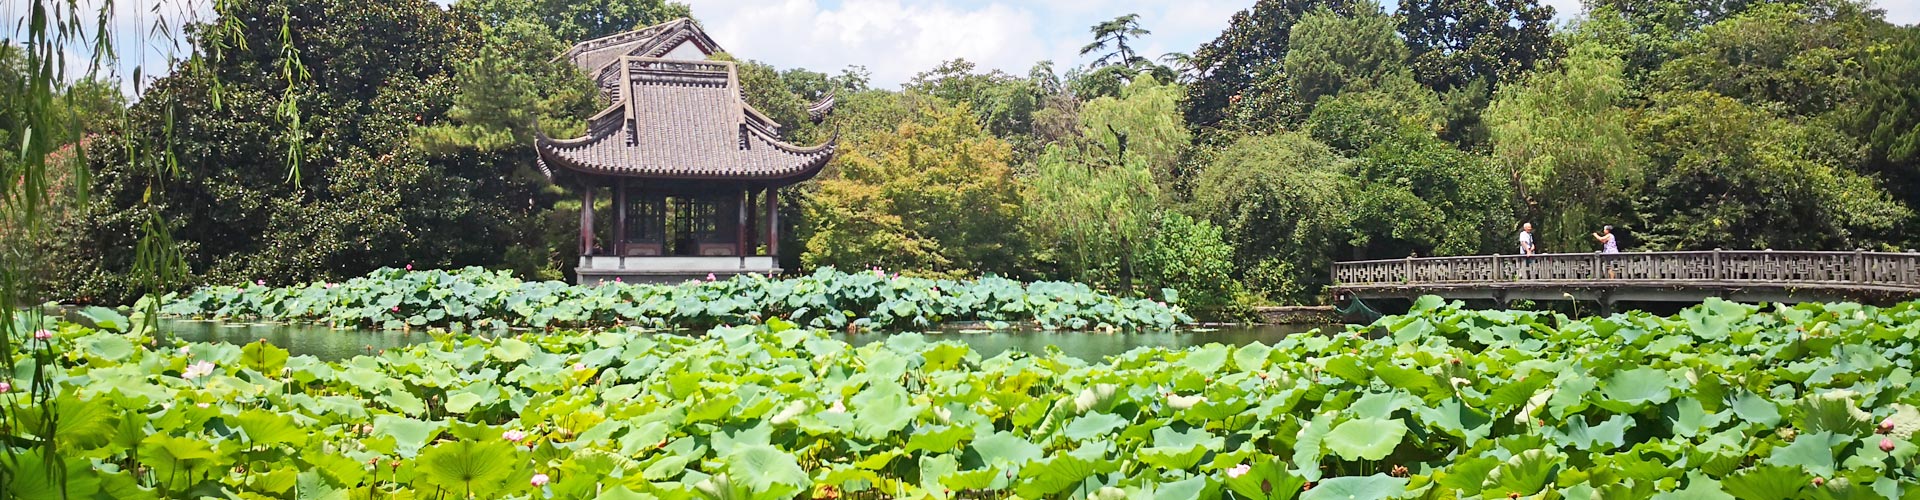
{"points": [[1740, 275]]}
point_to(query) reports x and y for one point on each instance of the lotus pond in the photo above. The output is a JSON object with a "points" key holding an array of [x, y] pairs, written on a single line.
{"points": [[332, 344], [1719, 401], [479, 299]]}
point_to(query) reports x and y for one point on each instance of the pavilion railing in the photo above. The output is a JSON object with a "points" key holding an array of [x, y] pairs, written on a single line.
{"points": [[1726, 266]]}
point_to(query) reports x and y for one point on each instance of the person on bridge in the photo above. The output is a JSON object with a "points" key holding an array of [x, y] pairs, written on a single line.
{"points": [[1608, 242], [1526, 239]]}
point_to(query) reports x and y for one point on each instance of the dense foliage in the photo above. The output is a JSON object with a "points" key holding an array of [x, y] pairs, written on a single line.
{"points": [[1685, 124], [477, 299], [1719, 401]]}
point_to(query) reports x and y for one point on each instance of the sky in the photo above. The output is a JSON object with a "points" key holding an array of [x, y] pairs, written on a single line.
{"points": [[892, 39]]}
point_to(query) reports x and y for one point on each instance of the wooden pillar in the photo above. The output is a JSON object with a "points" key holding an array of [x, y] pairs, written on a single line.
{"points": [[586, 220], [620, 217], [740, 226], [773, 222], [753, 221]]}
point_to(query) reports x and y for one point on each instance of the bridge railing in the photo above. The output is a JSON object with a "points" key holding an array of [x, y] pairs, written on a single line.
{"points": [[1761, 266]]}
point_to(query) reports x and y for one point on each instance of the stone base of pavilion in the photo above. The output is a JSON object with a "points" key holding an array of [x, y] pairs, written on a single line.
{"points": [[602, 269]]}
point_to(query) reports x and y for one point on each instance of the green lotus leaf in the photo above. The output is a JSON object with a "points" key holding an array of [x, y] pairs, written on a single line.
{"points": [[1092, 425], [1251, 357], [1525, 474], [511, 350], [77, 424], [1265, 478], [1370, 438], [1308, 447], [1756, 409], [1374, 487], [106, 346], [768, 471], [409, 435], [1766, 482], [483, 469], [1454, 417], [882, 409], [267, 428], [1192, 487], [1005, 449], [1812, 452], [263, 357], [176, 460], [1058, 474], [32, 478], [1633, 389], [1608, 435]]}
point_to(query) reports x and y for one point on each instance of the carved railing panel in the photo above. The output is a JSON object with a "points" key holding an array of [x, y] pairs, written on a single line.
{"points": [[1770, 267]]}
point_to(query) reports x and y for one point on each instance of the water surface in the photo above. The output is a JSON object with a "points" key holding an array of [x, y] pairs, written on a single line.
{"points": [[331, 344]]}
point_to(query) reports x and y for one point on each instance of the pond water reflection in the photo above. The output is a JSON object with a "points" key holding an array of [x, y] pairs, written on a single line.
{"points": [[330, 344]]}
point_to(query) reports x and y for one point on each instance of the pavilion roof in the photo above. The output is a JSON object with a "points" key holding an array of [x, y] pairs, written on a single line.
{"points": [[680, 119]]}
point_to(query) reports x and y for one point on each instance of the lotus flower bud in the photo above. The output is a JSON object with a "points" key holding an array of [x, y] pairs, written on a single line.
{"points": [[1819, 481], [1886, 445], [539, 480], [514, 435], [5, 387], [42, 335], [1886, 426]]}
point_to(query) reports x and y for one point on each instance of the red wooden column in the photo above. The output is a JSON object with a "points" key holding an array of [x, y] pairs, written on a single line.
{"points": [[586, 220], [620, 217], [740, 226], [773, 222]]}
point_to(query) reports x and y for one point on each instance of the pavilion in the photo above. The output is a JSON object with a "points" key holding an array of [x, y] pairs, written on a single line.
{"points": [[692, 170]]}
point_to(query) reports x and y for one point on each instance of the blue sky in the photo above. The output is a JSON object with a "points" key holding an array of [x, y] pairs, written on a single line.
{"points": [[894, 39]]}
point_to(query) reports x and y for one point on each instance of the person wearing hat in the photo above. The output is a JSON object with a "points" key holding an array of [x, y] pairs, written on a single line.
{"points": [[1608, 242]]}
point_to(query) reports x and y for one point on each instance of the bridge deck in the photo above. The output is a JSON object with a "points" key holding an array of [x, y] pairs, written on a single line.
{"points": [[1645, 276]]}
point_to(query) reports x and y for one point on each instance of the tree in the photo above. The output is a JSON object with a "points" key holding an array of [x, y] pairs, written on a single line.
{"points": [[1886, 115], [1357, 120], [573, 21], [1282, 200], [1804, 60], [1233, 66], [1097, 197], [1116, 32], [1725, 174], [1562, 135], [1458, 42], [1330, 52], [364, 196], [1419, 195], [934, 195]]}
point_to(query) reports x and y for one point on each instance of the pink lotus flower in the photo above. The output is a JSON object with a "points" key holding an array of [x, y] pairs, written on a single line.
{"points": [[709, 276], [514, 435], [409, 267], [396, 308], [579, 366], [42, 335], [837, 407], [5, 387], [186, 350], [1238, 470], [1886, 426], [539, 480], [616, 279], [1886, 445], [197, 370]]}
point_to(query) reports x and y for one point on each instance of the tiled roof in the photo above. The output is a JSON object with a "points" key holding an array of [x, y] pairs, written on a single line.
{"points": [[819, 110], [683, 120]]}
